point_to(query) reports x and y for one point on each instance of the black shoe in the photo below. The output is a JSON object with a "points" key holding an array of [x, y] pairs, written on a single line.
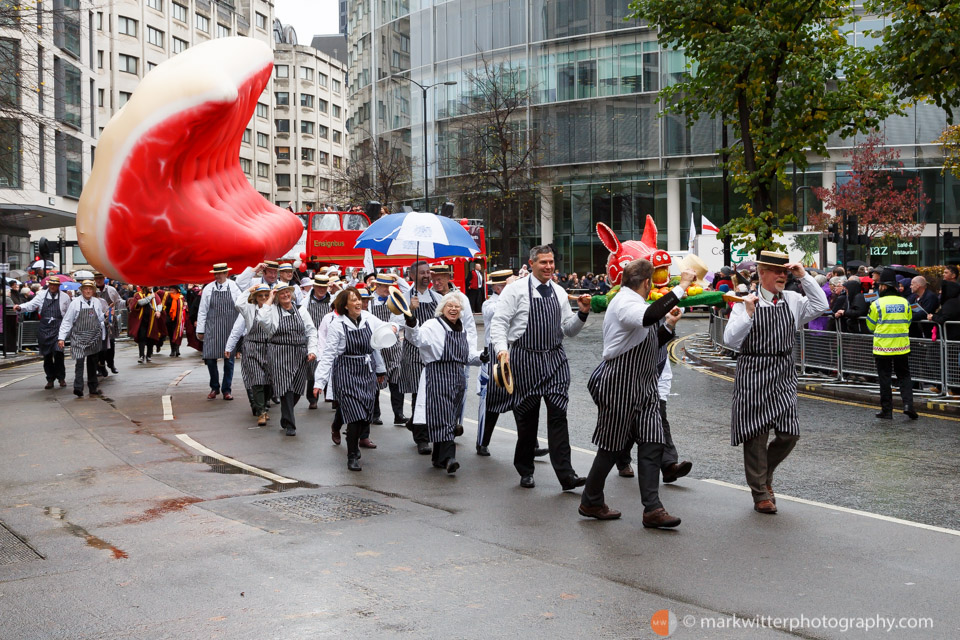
{"points": [[148, 359], [275, 400], [883, 415], [527, 482], [439, 465], [376, 421], [399, 421], [290, 431], [114, 370], [78, 393], [423, 448], [539, 452], [573, 482], [452, 465], [353, 463], [409, 424], [457, 430], [96, 393], [483, 451], [102, 373], [910, 413]]}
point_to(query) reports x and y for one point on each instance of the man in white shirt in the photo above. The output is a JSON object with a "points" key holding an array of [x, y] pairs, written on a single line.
{"points": [[52, 305], [215, 321], [266, 272], [114, 304], [532, 317]]}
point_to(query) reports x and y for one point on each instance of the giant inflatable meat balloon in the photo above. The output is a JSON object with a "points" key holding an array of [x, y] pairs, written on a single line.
{"points": [[166, 198], [623, 253]]}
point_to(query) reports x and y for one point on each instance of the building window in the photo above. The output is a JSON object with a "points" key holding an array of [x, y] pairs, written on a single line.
{"points": [[246, 136], [10, 159], [127, 26], [263, 171], [322, 79], [324, 132], [263, 140], [67, 80], [336, 111], [336, 86], [127, 64], [308, 155], [223, 31], [245, 165], [308, 182], [324, 184], [336, 137], [283, 180], [203, 23], [306, 101], [66, 26], [306, 73], [282, 125], [100, 94], [262, 110], [123, 97], [324, 158], [100, 59], [10, 72], [155, 4], [261, 21], [179, 45], [69, 165], [283, 153], [337, 162], [323, 106], [155, 37], [281, 71], [151, 65], [179, 12], [306, 127], [282, 98]]}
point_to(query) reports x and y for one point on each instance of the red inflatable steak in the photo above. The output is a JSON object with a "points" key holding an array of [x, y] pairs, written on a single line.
{"points": [[166, 197]]}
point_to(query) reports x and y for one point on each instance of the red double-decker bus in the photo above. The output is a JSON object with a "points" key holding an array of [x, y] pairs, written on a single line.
{"points": [[329, 238]]}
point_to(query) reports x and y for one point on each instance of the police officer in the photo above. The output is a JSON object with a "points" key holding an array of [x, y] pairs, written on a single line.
{"points": [[889, 320]]}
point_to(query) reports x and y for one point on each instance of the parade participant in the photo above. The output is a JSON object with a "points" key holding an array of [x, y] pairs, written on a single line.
{"points": [[255, 365], [353, 367], [625, 389], [265, 272], [445, 350], [214, 323], [476, 285], [532, 317], [442, 276], [317, 305], [174, 316], [888, 319], [115, 303], [85, 325], [306, 288], [764, 329], [52, 305], [293, 349], [412, 368], [285, 276], [392, 356], [144, 322]]}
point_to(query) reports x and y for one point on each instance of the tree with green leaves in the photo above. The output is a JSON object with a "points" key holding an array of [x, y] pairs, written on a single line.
{"points": [[782, 75], [949, 140]]}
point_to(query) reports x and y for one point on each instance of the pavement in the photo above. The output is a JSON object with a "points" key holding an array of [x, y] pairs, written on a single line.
{"points": [[130, 525]]}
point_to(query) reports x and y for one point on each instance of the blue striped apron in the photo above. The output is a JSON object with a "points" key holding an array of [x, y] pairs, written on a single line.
{"points": [[539, 363], [412, 362], [221, 315], [354, 381], [446, 386], [288, 354]]}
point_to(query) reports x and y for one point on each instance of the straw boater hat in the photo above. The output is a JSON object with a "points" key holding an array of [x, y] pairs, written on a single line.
{"points": [[693, 262], [263, 287], [773, 259], [364, 293], [397, 303], [270, 264], [280, 286], [442, 269], [503, 376], [85, 283], [386, 278], [53, 280], [286, 266], [220, 267], [321, 280], [499, 277]]}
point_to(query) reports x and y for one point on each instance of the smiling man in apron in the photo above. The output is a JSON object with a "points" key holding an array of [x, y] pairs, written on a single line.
{"points": [[532, 317], [392, 356], [85, 325], [764, 329], [214, 323], [52, 304]]}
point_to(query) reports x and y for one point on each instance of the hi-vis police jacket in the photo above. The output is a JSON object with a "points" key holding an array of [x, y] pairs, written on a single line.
{"points": [[889, 320]]}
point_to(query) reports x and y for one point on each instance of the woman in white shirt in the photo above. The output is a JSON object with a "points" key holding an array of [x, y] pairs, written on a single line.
{"points": [[256, 349], [445, 351]]}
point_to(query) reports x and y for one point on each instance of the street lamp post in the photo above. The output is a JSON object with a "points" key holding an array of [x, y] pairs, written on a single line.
{"points": [[426, 165]]}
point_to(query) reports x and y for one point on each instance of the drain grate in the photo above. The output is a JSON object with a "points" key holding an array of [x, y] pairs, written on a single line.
{"points": [[13, 549], [326, 507]]}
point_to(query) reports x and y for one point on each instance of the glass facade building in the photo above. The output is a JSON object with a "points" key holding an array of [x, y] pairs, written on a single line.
{"points": [[607, 154]]}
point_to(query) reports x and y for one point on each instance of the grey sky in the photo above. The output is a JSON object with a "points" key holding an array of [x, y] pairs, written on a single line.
{"points": [[308, 17]]}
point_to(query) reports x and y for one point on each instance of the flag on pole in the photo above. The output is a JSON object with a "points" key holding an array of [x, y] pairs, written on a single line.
{"points": [[707, 226], [693, 233], [368, 262]]}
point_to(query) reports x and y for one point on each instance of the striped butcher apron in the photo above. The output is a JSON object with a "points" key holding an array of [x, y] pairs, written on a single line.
{"points": [[317, 308], [50, 319], [539, 363], [354, 381], [221, 315], [256, 357], [625, 391], [765, 385], [288, 354], [446, 386], [391, 356], [85, 335], [412, 363], [113, 320]]}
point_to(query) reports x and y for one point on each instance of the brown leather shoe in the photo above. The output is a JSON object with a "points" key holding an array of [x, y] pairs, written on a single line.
{"points": [[335, 434], [63, 383], [675, 470], [367, 443], [262, 420], [627, 472], [212, 394], [49, 384], [765, 506], [603, 512], [773, 498], [659, 519]]}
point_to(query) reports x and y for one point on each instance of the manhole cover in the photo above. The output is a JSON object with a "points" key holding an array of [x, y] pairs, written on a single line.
{"points": [[13, 549], [326, 507]]}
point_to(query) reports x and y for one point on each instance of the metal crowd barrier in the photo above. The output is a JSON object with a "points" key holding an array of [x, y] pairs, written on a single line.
{"points": [[27, 331], [840, 356]]}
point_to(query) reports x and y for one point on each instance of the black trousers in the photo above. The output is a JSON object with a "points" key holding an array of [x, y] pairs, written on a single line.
{"points": [[649, 455], [143, 342], [107, 355], [420, 434], [670, 455], [354, 435], [444, 451], [287, 402], [489, 424], [396, 402], [364, 432], [527, 416], [886, 366], [53, 366], [91, 363]]}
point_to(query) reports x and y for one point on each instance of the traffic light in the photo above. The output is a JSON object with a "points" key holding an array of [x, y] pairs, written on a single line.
{"points": [[851, 230], [950, 241], [46, 249], [833, 233]]}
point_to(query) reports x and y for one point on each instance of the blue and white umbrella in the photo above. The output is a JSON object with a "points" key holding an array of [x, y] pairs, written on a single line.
{"points": [[418, 233]]}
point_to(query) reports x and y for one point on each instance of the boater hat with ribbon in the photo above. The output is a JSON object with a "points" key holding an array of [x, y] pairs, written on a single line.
{"points": [[53, 280], [693, 262], [270, 264], [499, 277], [386, 278], [88, 283], [220, 267], [773, 259], [397, 303], [286, 266], [446, 269], [320, 280], [503, 376], [263, 287]]}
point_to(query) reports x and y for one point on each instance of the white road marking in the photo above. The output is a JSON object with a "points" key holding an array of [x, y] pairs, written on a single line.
{"points": [[181, 377], [167, 402], [866, 514], [222, 458], [16, 380]]}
